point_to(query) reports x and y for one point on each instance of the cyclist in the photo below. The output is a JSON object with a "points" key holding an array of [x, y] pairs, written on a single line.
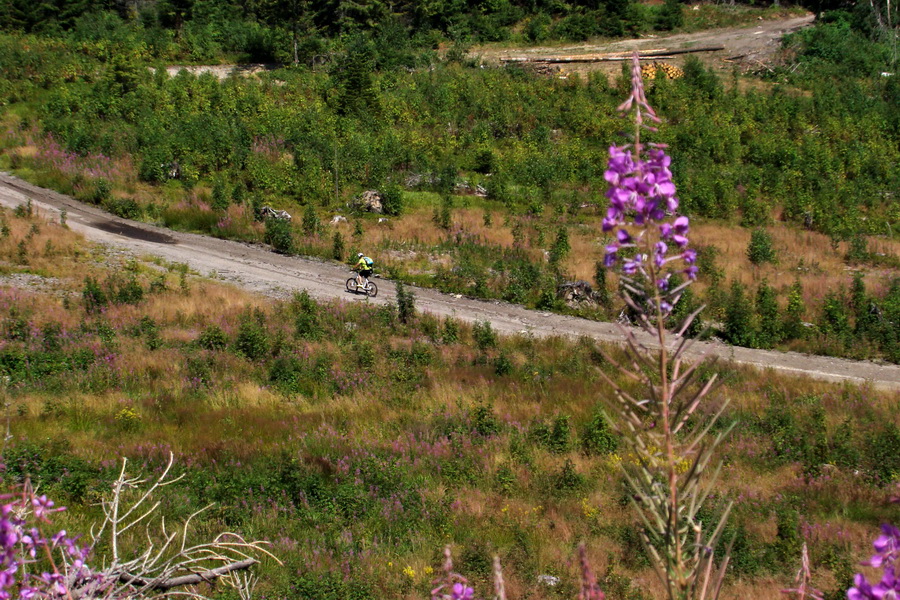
{"points": [[363, 268]]}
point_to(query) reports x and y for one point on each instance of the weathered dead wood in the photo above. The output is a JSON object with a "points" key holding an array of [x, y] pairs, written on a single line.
{"points": [[192, 579]]}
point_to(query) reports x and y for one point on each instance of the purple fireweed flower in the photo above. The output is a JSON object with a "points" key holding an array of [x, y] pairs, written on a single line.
{"points": [[462, 592], [632, 265], [43, 506], [887, 549], [643, 203]]}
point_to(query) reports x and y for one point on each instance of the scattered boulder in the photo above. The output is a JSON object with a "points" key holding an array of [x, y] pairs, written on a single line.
{"points": [[577, 293], [548, 580], [338, 219], [415, 180], [370, 201], [267, 212], [464, 188]]}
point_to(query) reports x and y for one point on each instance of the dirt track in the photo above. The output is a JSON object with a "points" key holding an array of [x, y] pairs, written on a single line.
{"points": [[257, 269], [748, 47]]}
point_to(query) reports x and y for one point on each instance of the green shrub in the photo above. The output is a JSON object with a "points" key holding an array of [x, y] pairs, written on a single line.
{"points": [[443, 218], [568, 480], [220, 199], [883, 454], [502, 365], [670, 16], [128, 291], [739, 328], [406, 304], [337, 246], [93, 295], [835, 317], [311, 223], [561, 246], [770, 323], [760, 249], [150, 330], [212, 338], [392, 200], [555, 437], [597, 438], [485, 422], [450, 331], [126, 208], [279, 235], [793, 321], [286, 373], [484, 335], [252, 340], [858, 250], [505, 480]]}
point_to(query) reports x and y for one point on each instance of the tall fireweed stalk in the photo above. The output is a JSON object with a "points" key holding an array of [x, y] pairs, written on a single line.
{"points": [[673, 473]]}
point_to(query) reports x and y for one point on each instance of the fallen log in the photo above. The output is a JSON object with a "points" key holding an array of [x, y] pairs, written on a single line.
{"points": [[657, 54], [682, 51]]}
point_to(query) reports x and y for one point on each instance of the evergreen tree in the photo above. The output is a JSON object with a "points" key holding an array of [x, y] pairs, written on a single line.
{"points": [[739, 329], [861, 305], [834, 319], [770, 326], [561, 246], [793, 322], [670, 16], [352, 75]]}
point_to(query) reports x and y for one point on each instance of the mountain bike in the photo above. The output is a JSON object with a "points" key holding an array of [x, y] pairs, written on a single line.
{"points": [[370, 289]]}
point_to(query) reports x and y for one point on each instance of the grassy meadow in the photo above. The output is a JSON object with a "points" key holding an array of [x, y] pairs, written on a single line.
{"points": [[360, 445]]}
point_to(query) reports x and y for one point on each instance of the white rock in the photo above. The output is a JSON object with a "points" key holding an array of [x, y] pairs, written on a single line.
{"points": [[548, 580]]}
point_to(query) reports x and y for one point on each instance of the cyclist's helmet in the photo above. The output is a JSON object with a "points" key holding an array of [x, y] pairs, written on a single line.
{"points": [[359, 255]]}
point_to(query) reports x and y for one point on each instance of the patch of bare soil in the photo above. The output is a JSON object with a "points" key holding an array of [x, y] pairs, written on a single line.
{"points": [[748, 48]]}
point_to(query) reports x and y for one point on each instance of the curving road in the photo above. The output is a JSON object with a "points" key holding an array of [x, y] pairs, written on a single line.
{"points": [[257, 269]]}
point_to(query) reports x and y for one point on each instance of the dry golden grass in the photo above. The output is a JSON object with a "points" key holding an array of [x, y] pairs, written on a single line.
{"points": [[807, 256], [49, 248], [206, 302], [24, 151]]}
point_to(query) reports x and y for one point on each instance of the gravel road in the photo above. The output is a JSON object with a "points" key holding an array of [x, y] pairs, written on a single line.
{"points": [[257, 269]]}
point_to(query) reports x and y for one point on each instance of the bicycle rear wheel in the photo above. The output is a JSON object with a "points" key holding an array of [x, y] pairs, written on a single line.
{"points": [[372, 290]]}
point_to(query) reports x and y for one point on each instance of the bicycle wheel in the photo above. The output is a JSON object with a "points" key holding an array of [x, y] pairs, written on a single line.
{"points": [[372, 290], [352, 286]]}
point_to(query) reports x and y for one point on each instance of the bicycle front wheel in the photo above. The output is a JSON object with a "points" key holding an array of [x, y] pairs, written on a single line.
{"points": [[351, 285], [372, 290]]}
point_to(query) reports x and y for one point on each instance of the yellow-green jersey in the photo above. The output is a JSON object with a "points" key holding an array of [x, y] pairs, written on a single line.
{"points": [[365, 264]]}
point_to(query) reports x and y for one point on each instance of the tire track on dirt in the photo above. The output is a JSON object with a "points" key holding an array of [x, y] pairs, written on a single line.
{"points": [[256, 268]]}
